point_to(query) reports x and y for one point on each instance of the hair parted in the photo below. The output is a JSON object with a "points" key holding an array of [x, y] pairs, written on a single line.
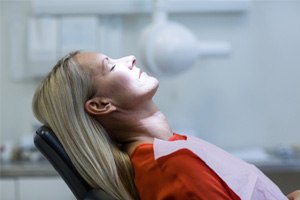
{"points": [[58, 103]]}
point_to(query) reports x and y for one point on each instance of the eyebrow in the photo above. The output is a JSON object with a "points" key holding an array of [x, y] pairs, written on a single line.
{"points": [[106, 58], [103, 64]]}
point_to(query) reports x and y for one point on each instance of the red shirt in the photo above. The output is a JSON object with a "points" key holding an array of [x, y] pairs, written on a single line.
{"points": [[180, 175]]}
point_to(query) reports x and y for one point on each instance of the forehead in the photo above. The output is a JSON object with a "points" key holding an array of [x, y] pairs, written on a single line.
{"points": [[92, 60]]}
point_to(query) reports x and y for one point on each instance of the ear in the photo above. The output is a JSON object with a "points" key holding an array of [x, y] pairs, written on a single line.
{"points": [[99, 106]]}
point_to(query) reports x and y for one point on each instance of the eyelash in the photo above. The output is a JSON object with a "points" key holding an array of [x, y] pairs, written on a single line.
{"points": [[112, 68]]}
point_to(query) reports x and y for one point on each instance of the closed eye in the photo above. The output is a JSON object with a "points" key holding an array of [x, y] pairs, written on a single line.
{"points": [[113, 67]]}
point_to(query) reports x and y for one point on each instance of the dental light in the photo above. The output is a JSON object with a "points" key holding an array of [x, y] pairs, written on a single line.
{"points": [[168, 48]]}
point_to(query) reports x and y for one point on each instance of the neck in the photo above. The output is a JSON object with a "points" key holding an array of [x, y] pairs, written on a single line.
{"points": [[137, 126]]}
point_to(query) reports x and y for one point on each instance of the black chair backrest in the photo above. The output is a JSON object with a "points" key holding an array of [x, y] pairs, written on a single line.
{"points": [[48, 144]]}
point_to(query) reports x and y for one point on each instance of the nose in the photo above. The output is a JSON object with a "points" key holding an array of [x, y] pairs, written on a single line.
{"points": [[131, 61]]}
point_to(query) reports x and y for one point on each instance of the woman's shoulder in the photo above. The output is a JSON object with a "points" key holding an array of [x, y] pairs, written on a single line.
{"points": [[183, 170]]}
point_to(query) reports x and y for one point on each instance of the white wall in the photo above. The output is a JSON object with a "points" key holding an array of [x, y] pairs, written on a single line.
{"points": [[252, 98], [16, 115]]}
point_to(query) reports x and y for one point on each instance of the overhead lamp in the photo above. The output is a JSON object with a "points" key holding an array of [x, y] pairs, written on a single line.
{"points": [[168, 48]]}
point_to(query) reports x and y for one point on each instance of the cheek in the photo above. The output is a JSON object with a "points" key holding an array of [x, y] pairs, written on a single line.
{"points": [[122, 89], [122, 84], [126, 90]]}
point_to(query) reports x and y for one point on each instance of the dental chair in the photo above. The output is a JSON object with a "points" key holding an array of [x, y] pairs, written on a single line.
{"points": [[48, 144]]}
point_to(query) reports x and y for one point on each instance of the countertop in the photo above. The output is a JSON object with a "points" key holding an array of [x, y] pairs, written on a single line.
{"points": [[264, 162], [279, 166], [268, 161], [26, 169]]}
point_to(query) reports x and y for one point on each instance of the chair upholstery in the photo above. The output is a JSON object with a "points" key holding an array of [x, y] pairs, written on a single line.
{"points": [[48, 144]]}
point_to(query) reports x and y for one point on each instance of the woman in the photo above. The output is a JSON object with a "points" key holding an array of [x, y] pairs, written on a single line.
{"points": [[102, 112]]}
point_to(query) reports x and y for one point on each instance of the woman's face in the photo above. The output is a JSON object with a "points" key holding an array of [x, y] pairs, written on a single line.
{"points": [[119, 79]]}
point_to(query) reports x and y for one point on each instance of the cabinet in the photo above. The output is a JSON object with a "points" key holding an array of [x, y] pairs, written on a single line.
{"points": [[28, 188], [7, 189]]}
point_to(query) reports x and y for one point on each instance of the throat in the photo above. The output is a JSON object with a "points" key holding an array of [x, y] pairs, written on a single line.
{"points": [[131, 146]]}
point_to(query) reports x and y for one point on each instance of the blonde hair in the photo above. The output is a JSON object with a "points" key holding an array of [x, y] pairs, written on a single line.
{"points": [[59, 104]]}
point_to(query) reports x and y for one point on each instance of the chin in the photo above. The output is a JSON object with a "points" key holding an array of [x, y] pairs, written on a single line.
{"points": [[155, 88], [156, 83], [155, 80]]}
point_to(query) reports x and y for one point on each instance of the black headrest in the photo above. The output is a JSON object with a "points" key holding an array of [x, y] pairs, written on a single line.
{"points": [[48, 144]]}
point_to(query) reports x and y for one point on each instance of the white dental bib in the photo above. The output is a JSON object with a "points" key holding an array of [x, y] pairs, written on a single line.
{"points": [[248, 182]]}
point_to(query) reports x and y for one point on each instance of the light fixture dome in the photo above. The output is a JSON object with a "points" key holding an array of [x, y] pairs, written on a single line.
{"points": [[168, 48]]}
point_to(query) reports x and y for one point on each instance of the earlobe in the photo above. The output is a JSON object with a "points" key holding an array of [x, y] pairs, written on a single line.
{"points": [[99, 106]]}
